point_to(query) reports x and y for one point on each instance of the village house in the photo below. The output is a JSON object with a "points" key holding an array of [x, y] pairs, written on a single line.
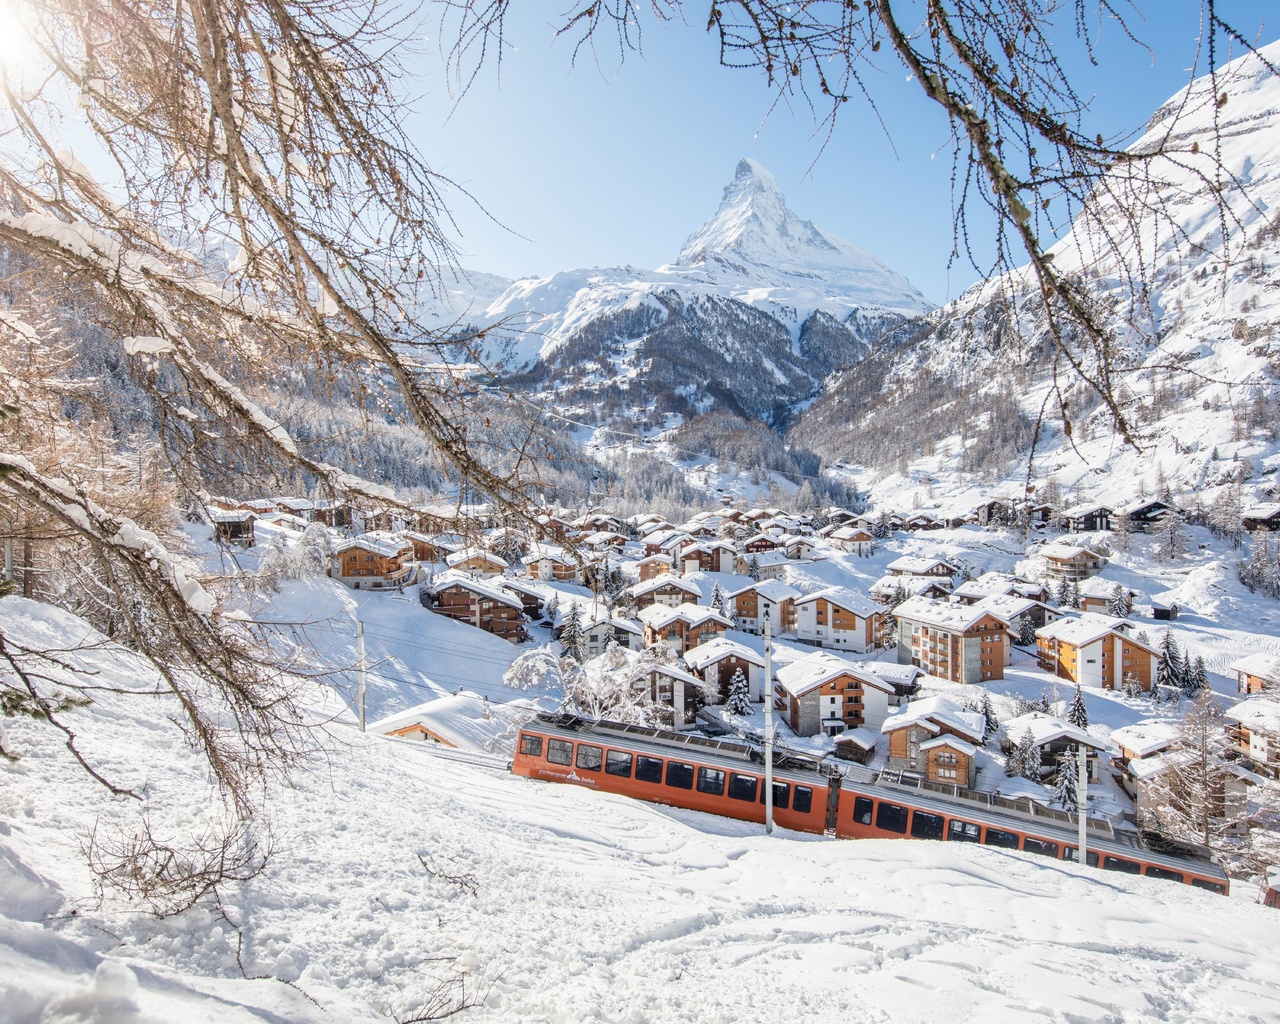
{"points": [[668, 590], [667, 542], [460, 720], [903, 679], [937, 739], [1088, 518], [1055, 740], [598, 628], [653, 565], [1261, 517], [332, 513], [771, 565], [1097, 594], [478, 603], [372, 562], [549, 562], [992, 583], [909, 565], [1253, 727], [1256, 673], [258, 506], [1070, 562], [533, 600], [1227, 800], [708, 556], [823, 693], [1135, 742], [853, 539], [673, 689], [769, 597], [683, 627], [715, 663], [962, 643], [429, 547], [759, 544], [1013, 611], [892, 590], [234, 527], [303, 508], [839, 618], [1143, 515], [922, 521], [477, 561], [797, 547], [1096, 651]]}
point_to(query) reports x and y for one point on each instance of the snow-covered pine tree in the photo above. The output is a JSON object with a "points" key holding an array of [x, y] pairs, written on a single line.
{"points": [[1062, 592], [717, 597], [1170, 529], [1073, 594], [1013, 763], [1170, 669], [1029, 757], [1224, 516], [572, 636], [1119, 604], [1197, 678], [739, 699], [1066, 787], [989, 713], [1026, 632], [753, 569], [1077, 712], [1132, 687]]}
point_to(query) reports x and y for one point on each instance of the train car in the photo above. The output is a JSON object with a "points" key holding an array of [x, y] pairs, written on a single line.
{"points": [[726, 777]]}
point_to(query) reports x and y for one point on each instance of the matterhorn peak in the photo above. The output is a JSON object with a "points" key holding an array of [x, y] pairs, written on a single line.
{"points": [[756, 236]]}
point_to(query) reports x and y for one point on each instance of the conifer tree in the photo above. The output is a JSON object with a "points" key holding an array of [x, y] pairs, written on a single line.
{"points": [[1170, 670], [1066, 787], [739, 700], [1120, 605], [1122, 530], [1073, 594], [753, 569], [1013, 763], [572, 636], [717, 597], [989, 713], [1026, 632], [1029, 757], [1062, 592], [1077, 713], [1197, 678]]}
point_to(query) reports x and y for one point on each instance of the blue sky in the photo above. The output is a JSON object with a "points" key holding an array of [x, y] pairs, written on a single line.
{"points": [[610, 163]]}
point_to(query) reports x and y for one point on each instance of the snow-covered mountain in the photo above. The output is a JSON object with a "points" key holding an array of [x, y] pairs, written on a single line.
{"points": [[756, 310], [1196, 355]]}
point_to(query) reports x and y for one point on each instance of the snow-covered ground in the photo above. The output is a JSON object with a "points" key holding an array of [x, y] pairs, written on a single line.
{"points": [[566, 905]]}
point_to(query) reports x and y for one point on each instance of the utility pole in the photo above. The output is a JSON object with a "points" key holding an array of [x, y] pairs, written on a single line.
{"points": [[360, 668], [768, 727], [1082, 800]]}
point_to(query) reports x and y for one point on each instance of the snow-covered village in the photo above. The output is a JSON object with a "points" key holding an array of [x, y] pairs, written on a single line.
{"points": [[786, 630]]}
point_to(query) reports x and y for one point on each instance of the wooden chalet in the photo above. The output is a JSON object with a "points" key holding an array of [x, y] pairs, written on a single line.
{"points": [[936, 739], [477, 561], [303, 508], [1256, 673], [336, 514], [667, 589], [1143, 515], [715, 663], [547, 562], [1088, 518], [675, 691], [1095, 650], [853, 539], [683, 627], [839, 618], [1253, 727], [1070, 562], [708, 556], [892, 590], [909, 565], [962, 643], [760, 543], [1055, 740], [1097, 594], [768, 597], [532, 600], [771, 565], [823, 693], [233, 527], [372, 562], [1264, 517], [797, 547], [1164, 611], [653, 565], [429, 548], [478, 603]]}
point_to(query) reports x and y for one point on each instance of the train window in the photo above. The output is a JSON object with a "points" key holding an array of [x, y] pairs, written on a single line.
{"points": [[803, 802], [963, 832], [710, 780], [649, 769], [743, 787], [999, 837], [560, 752], [1129, 867], [1151, 871], [1204, 883], [891, 818], [1069, 853], [531, 745], [1040, 846], [927, 826], [679, 776], [590, 757], [617, 763], [862, 806], [781, 791]]}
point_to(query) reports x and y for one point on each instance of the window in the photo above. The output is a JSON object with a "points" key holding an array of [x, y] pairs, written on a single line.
{"points": [[781, 793], [963, 832], [1151, 871], [560, 752], [946, 758], [891, 818], [1040, 846], [742, 787], [803, 802], [679, 775], [927, 826], [1204, 883], [947, 773], [1069, 853], [531, 745], [617, 763], [862, 806], [1129, 867], [999, 837], [649, 769], [590, 757], [710, 780]]}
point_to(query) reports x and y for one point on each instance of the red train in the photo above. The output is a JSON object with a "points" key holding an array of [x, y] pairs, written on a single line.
{"points": [[726, 777]]}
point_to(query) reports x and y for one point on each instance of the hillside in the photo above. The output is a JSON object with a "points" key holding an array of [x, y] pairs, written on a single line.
{"points": [[564, 905]]}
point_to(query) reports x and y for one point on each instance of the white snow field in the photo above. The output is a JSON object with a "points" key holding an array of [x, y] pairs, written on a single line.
{"points": [[566, 905]]}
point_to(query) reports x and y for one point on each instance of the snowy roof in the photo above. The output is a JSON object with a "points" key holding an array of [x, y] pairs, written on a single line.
{"points": [[811, 671], [985, 585], [954, 742], [661, 556], [1087, 627], [659, 615], [1005, 607], [714, 650], [1098, 586], [379, 544], [457, 718], [237, 516], [550, 552], [466, 554], [1076, 511], [934, 714], [860, 737], [914, 566], [663, 580], [481, 588], [844, 598], [887, 586], [765, 559], [943, 614], [1257, 713], [771, 590], [1143, 739], [1045, 729], [1064, 552], [849, 533], [892, 672], [1263, 511], [1267, 666]]}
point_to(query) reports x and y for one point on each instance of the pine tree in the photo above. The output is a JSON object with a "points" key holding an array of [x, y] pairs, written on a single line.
{"points": [[1132, 688], [1073, 594], [1170, 670], [1197, 678], [1066, 788], [739, 700], [572, 636], [1170, 527], [1062, 592], [1026, 632], [1120, 604], [1029, 757], [753, 569], [1122, 530], [1013, 763], [989, 713], [1077, 713], [717, 597]]}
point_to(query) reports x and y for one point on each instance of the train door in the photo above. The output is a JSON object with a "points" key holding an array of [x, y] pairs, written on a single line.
{"points": [[833, 802]]}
